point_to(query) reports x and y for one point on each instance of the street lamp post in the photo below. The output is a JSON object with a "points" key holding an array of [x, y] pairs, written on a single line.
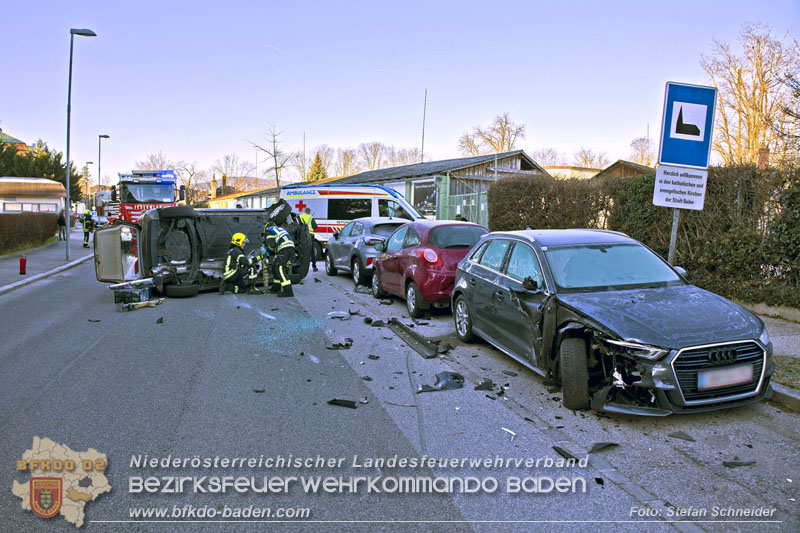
{"points": [[99, 140], [72, 33]]}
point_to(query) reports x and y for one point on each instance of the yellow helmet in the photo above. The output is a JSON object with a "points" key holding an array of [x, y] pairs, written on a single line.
{"points": [[238, 239], [86, 212]]}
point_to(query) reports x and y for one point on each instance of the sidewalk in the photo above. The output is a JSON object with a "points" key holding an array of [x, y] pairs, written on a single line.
{"points": [[42, 261]]}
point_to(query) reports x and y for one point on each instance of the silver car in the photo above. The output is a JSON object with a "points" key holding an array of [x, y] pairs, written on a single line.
{"points": [[353, 248]]}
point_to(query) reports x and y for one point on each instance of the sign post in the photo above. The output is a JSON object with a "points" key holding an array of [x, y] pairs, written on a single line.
{"points": [[687, 125]]}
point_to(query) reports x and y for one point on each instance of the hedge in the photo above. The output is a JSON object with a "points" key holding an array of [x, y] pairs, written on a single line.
{"points": [[744, 244], [26, 230]]}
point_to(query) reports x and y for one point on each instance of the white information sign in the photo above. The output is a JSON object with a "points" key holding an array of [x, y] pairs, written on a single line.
{"points": [[681, 187]]}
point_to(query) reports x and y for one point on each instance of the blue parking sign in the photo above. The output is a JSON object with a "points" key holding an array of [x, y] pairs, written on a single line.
{"points": [[687, 125]]}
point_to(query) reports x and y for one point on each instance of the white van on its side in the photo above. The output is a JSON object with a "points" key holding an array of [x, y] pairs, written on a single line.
{"points": [[333, 206]]}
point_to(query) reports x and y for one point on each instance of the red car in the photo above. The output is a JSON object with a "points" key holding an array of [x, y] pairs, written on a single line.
{"points": [[418, 262]]}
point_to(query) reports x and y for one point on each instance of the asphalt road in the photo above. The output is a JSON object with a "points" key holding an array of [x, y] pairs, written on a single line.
{"points": [[126, 385]]}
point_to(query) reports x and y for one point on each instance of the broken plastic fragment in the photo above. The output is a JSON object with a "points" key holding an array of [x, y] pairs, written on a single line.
{"points": [[378, 323], [316, 280], [681, 435], [339, 314], [564, 453], [510, 373], [485, 384], [160, 320], [363, 400], [343, 403], [258, 391], [386, 302], [340, 344], [510, 433], [737, 464], [313, 359], [366, 378], [600, 481], [93, 320], [373, 357], [444, 381], [602, 446]]}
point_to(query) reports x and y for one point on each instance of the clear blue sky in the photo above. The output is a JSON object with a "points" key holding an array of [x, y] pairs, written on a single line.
{"points": [[198, 79]]}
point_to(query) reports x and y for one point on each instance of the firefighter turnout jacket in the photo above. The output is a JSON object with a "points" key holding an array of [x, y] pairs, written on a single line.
{"points": [[235, 261]]}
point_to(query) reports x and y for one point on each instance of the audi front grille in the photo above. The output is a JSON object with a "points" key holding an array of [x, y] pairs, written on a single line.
{"points": [[690, 361]]}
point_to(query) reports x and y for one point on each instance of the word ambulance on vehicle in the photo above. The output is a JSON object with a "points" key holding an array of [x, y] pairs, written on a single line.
{"points": [[333, 206]]}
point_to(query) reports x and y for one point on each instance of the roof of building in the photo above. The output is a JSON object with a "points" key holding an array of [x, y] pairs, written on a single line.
{"points": [[6, 138], [436, 167], [14, 186], [645, 170]]}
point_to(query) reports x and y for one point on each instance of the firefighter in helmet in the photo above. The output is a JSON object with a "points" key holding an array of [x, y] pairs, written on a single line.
{"points": [[88, 226], [239, 272], [280, 246]]}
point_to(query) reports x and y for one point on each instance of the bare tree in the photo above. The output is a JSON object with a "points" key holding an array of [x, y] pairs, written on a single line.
{"points": [[157, 161], [751, 93], [549, 157], [300, 163], [586, 158], [235, 169], [642, 151], [189, 176], [346, 162], [372, 154], [279, 158], [403, 156], [500, 136]]}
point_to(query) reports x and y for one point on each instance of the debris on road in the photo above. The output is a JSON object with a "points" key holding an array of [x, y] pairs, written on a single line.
{"points": [[138, 305], [366, 378], [160, 320], [313, 359], [363, 400], [598, 446], [343, 403], [510, 433], [600, 481], [316, 280], [417, 342], [340, 344], [401, 404], [737, 464], [367, 320], [258, 391], [681, 435], [510, 373], [373, 357], [378, 323], [363, 289], [93, 320], [339, 314], [386, 302], [444, 381], [485, 384]]}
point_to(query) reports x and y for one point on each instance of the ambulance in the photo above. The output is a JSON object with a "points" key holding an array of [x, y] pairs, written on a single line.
{"points": [[333, 206]]}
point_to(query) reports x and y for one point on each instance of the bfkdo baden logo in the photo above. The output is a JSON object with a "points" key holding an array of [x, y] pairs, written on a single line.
{"points": [[62, 481]]}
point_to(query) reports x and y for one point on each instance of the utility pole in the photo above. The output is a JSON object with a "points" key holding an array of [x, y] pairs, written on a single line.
{"points": [[424, 112]]}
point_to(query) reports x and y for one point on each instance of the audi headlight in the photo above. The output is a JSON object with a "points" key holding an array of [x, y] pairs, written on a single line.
{"points": [[640, 350], [764, 338]]}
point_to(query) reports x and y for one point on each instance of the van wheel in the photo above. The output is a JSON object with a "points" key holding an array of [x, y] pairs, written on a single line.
{"points": [[574, 373]]}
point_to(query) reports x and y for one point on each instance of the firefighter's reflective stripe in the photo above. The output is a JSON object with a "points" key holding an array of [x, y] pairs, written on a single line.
{"points": [[277, 239], [231, 266], [283, 268]]}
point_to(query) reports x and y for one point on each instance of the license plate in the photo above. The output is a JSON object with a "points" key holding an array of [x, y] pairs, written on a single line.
{"points": [[712, 379]]}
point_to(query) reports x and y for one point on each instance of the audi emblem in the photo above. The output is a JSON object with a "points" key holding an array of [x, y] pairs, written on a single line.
{"points": [[721, 356]]}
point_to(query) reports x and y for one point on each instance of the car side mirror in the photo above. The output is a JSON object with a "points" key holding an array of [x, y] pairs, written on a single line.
{"points": [[380, 247], [530, 284], [335, 234], [182, 193], [680, 270]]}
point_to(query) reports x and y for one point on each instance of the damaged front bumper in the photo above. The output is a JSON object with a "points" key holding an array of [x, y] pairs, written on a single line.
{"points": [[675, 383]]}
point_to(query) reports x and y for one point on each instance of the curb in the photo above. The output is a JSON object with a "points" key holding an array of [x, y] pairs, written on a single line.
{"points": [[786, 396], [33, 279]]}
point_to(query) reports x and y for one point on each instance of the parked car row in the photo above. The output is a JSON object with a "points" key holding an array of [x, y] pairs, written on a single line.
{"points": [[597, 311]]}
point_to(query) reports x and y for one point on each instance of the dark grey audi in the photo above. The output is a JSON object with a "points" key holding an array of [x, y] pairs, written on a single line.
{"points": [[614, 323]]}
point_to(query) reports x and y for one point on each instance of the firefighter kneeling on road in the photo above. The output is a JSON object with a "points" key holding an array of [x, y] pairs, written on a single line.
{"points": [[279, 246], [239, 270]]}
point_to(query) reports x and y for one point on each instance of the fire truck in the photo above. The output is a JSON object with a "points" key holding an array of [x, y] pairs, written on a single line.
{"points": [[137, 192]]}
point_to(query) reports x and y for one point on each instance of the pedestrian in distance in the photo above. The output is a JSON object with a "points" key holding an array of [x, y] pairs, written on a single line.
{"points": [[62, 226], [278, 245], [309, 221], [239, 274], [88, 227]]}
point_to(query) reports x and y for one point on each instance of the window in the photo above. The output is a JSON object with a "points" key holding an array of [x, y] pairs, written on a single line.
{"points": [[396, 240], [348, 209], [455, 236], [12, 207], [494, 254], [390, 208], [346, 230], [384, 230], [476, 255], [412, 238], [522, 263], [358, 229]]}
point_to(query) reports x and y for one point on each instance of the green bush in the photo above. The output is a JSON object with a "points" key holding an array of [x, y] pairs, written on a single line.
{"points": [[744, 244], [26, 230]]}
